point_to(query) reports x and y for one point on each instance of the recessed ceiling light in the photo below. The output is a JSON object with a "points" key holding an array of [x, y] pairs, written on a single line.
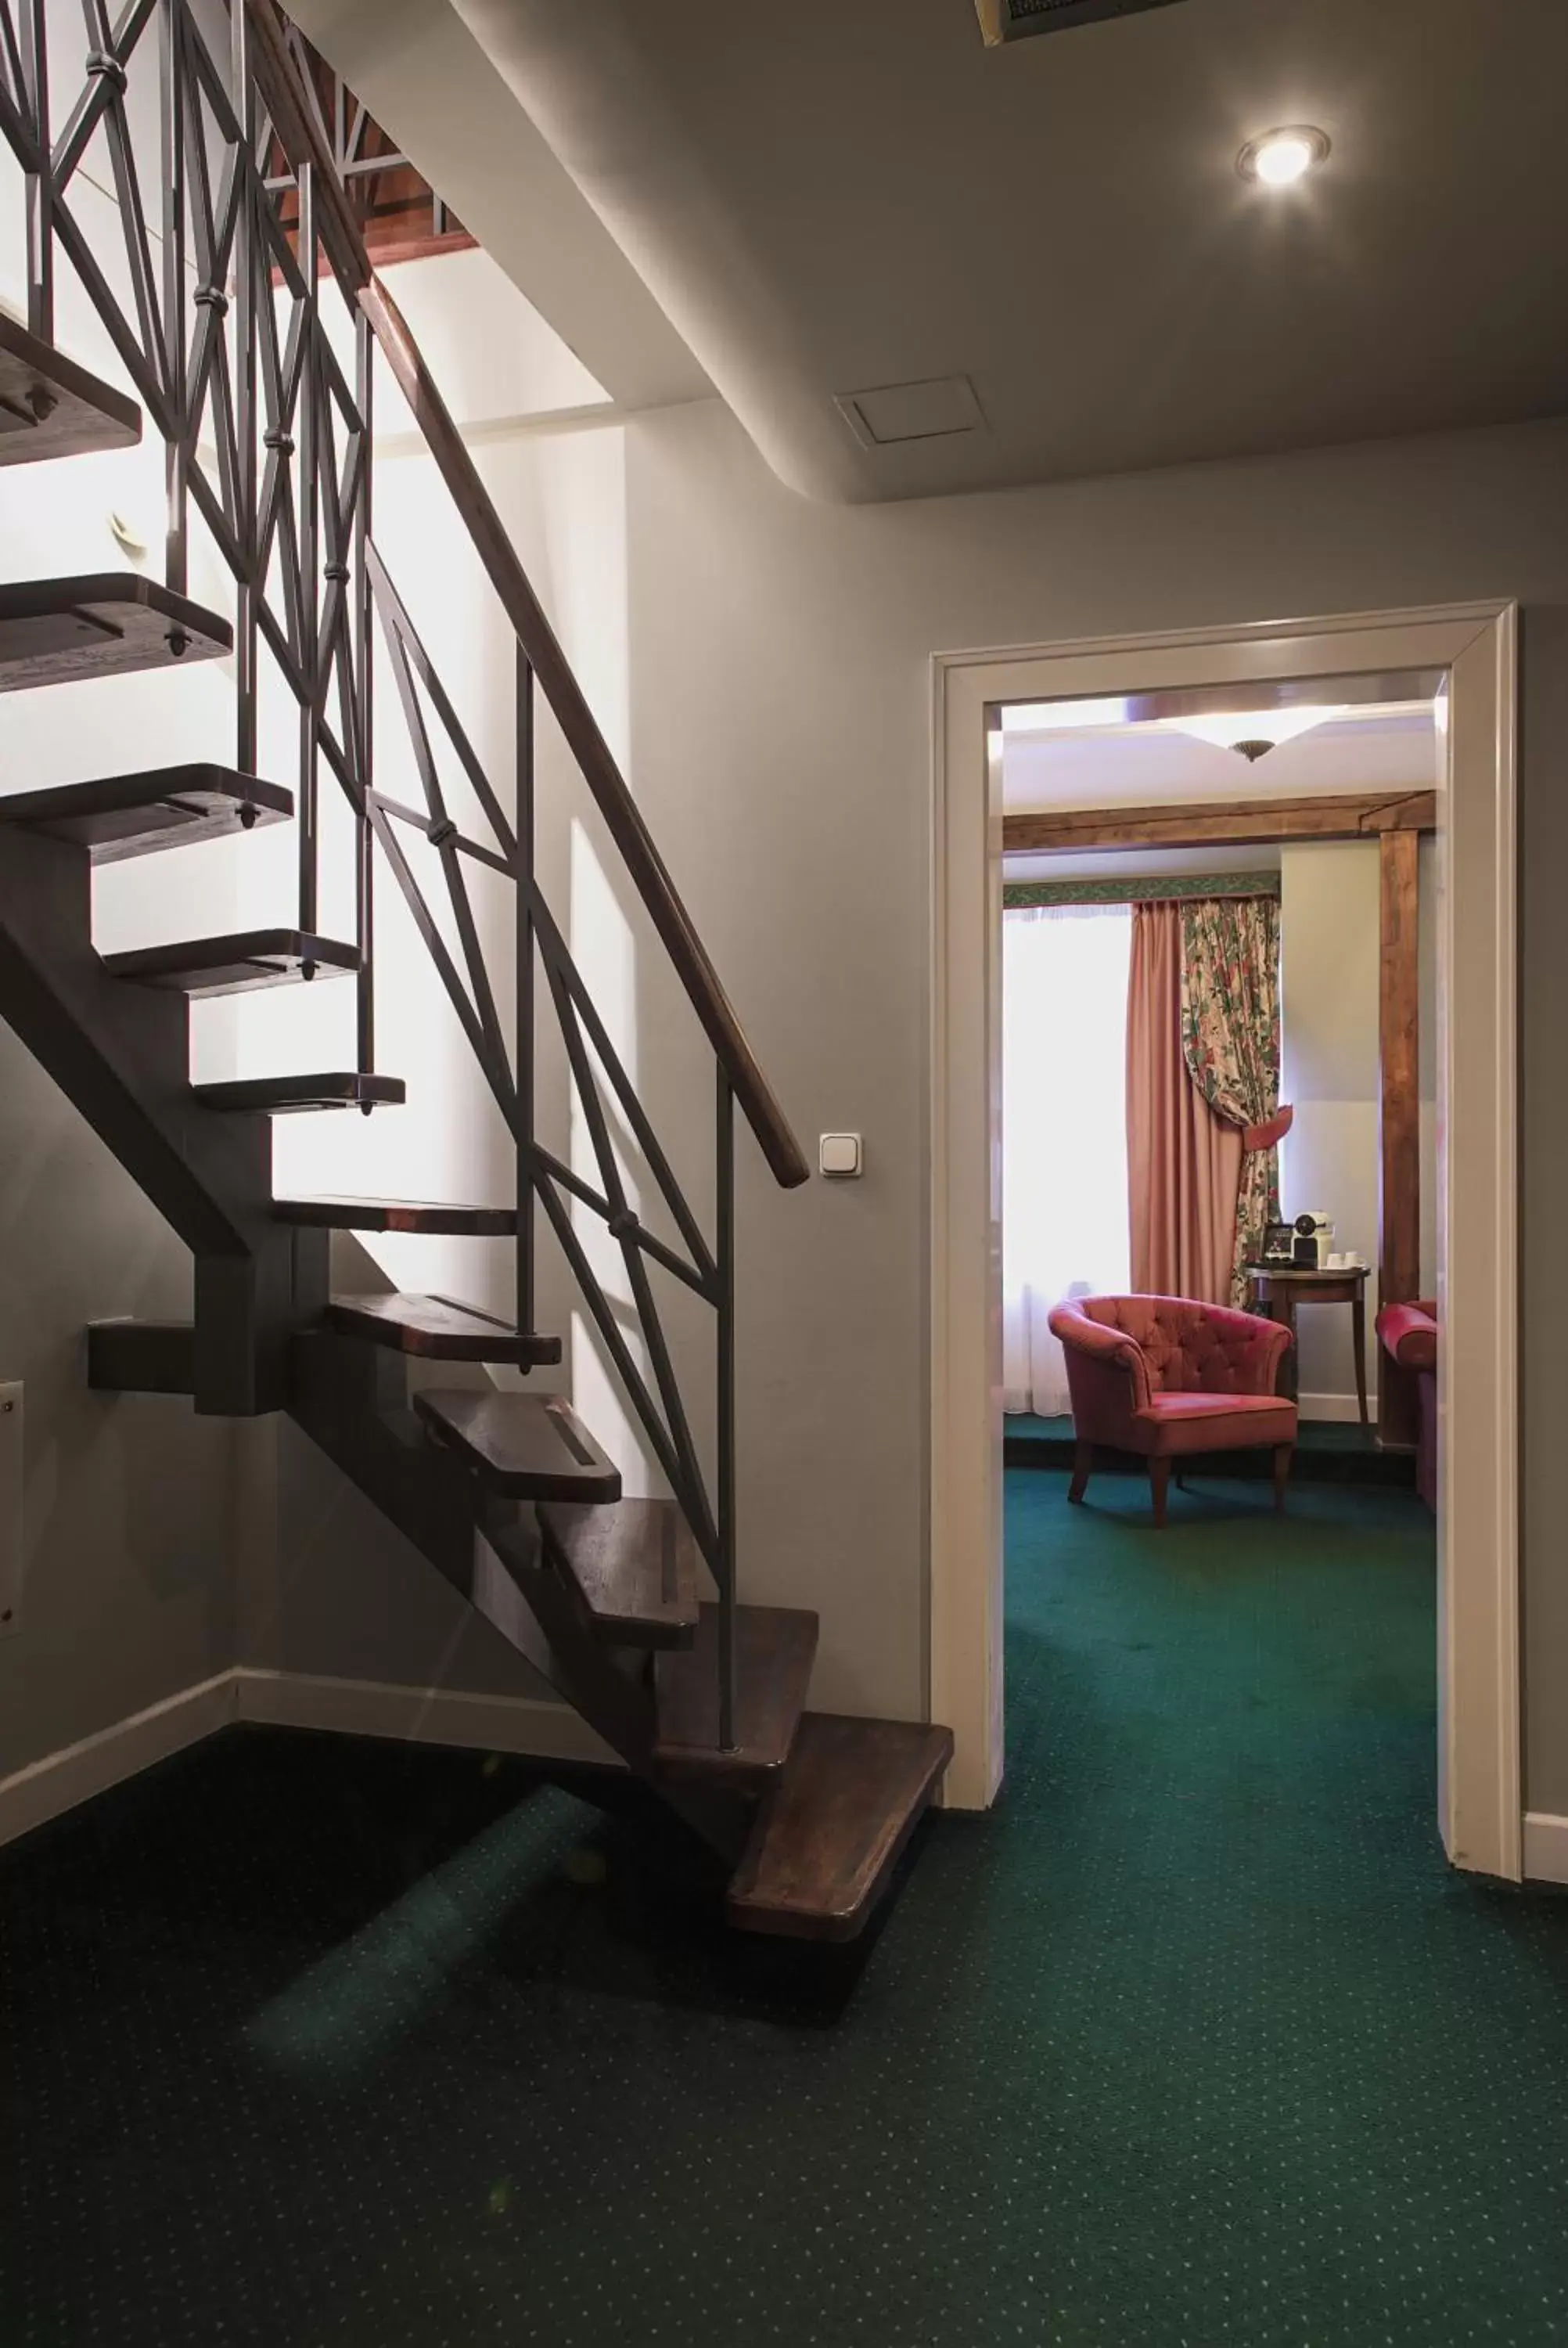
{"points": [[1280, 158]]}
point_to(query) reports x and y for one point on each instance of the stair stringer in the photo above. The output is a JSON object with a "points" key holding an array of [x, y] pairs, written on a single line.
{"points": [[350, 1397], [122, 1055]]}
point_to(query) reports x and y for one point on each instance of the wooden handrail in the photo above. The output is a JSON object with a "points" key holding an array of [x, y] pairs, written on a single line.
{"points": [[300, 137]]}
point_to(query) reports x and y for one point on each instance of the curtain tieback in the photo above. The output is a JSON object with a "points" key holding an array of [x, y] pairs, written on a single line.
{"points": [[1264, 1136]]}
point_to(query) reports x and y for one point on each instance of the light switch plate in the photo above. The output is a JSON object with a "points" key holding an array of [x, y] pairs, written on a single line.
{"points": [[11, 1521], [838, 1156]]}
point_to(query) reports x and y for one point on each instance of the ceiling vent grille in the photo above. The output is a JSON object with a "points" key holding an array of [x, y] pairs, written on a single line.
{"points": [[1014, 20]]}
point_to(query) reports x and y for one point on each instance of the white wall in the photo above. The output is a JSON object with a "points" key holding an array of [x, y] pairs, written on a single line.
{"points": [[763, 662], [780, 746], [1328, 963], [127, 1544], [157, 1546], [1329, 1162]]}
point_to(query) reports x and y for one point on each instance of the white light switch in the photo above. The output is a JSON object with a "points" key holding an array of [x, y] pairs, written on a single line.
{"points": [[838, 1155]]}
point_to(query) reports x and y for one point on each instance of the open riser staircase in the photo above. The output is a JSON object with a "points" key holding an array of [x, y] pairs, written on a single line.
{"points": [[629, 1607]]}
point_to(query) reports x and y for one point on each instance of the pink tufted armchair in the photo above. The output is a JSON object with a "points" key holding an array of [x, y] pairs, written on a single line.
{"points": [[1409, 1335], [1165, 1378]]}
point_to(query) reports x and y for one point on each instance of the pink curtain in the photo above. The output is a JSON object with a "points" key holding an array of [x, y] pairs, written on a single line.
{"points": [[1184, 1163]]}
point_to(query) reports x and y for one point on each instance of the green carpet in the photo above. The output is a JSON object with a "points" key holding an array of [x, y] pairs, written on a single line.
{"points": [[1328, 1451], [1193, 2040]]}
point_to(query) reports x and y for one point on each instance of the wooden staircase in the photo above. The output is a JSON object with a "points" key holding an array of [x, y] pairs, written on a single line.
{"points": [[627, 1606]]}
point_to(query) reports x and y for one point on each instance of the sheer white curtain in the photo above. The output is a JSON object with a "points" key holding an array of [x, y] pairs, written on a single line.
{"points": [[1064, 1131]]}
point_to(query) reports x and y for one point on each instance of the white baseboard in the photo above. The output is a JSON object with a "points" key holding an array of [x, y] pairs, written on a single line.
{"points": [[494, 1724], [1545, 1847], [411, 1715], [57, 1783], [1336, 1406]]}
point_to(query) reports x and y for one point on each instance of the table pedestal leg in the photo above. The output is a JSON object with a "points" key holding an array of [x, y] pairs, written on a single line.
{"points": [[1358, 1338], [1290, 1372]]}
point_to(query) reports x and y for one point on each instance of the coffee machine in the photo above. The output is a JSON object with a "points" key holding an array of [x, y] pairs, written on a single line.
{"points": [[1314, 1241]]}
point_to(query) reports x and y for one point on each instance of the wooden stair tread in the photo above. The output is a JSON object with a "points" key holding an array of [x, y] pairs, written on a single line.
{"points": [[775, 1647], [235, 964], [106, 625], [398, 1215], [132, 815], [635, 1563], [825, 1845], [50, 407], [525, 1446], [436, 1329], [290, 1096]]}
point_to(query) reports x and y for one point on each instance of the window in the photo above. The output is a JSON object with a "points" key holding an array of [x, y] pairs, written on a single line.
{"points": [[1064, 1138]]}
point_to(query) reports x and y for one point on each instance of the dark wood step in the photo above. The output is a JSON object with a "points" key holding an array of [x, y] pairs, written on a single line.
{"points": [[50, 407], [290, 1096], [437, 1330], [524, 1447], [636, 1564], [107, 624], [826, 1843], [775, 1649], [398, 1215], [141, 1357], [168, 807], [234, 966]]}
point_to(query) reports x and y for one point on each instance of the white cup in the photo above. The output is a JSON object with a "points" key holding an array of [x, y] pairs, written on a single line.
{"points": [[1338, 1263]]}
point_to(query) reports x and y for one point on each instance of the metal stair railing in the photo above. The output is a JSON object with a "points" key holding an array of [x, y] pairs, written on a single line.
{"points": [[223, 337]]}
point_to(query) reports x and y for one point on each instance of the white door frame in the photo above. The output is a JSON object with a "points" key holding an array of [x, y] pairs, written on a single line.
{"points": [[1479, 1766]]}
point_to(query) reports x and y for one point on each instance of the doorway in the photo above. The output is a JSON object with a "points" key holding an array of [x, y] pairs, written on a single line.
{"points": [[1473, 650]]}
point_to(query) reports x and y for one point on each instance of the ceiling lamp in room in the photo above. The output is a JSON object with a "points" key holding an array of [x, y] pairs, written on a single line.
{"points": [[1253, 732]]}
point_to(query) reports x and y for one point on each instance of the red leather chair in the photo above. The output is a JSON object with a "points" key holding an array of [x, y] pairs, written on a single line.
{"points": [[1165, 1378], [1409, 1335]]}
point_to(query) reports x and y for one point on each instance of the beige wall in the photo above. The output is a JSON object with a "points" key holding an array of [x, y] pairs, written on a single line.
{"points": [[1328, 976], [128, 1502], [127, 1527], [763, 662], [1330, 893], [780, 731]]}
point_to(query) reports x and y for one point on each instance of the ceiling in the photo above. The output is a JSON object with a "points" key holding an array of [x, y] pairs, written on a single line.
{"points": [[1151, 765], [796, 204], [1138, 864]]}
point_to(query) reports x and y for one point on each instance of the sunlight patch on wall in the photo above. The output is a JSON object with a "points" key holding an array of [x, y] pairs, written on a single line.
{"points": [[604, 951]]}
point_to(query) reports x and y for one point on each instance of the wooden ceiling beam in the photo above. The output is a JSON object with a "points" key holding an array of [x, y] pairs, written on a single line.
{"points": [[1238, 823]]}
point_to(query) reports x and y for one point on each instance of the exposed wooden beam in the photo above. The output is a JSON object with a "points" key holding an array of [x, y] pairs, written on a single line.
{"points": [[1239, 823], [1398, 1116]]}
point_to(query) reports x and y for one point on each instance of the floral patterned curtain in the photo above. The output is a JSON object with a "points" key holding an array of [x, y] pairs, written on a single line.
{"points": [[1230, 1038]]}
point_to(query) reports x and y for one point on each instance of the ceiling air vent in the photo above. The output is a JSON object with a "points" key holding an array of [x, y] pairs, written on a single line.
{"points": [[1013, 20], [933, 409]]}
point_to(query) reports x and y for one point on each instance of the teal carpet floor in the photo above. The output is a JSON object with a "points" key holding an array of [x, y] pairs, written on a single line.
{"points": [[1193, 2040]]}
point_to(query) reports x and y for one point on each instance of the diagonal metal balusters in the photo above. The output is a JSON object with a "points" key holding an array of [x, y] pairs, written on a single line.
{"points": [[220, 299]]}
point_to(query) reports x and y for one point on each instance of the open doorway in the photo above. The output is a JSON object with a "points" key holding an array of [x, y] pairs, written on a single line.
{"points": [[1466, 658], [1220, 942], [1212, 1511]]}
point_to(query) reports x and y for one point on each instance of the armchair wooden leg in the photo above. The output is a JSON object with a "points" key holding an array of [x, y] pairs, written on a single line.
{"points": [[1082, 1461], [1284, 1454], [1159, 1484]]}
